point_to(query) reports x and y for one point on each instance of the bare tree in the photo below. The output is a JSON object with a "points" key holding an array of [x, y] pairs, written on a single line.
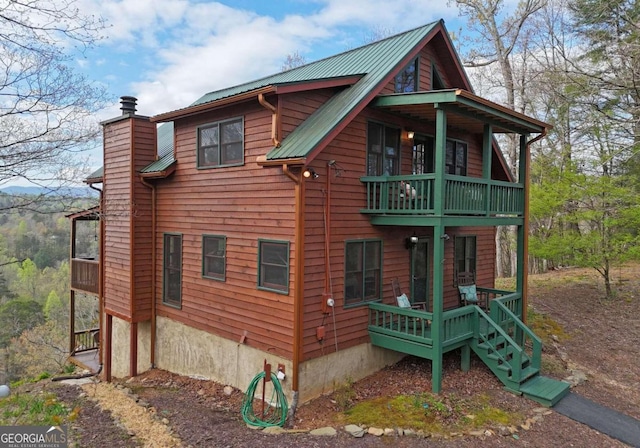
{"points": [[292, 61], [46, 109]]}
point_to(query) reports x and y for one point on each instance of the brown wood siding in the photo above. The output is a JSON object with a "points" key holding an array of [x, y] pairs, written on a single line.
{"points": [[297, 107], [347, 223], [243, 203], [117, 207]]}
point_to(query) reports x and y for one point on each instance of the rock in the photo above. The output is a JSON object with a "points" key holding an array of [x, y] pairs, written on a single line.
{"points": [[165, 421], [376, 431], [144, 404], [477, 433], [201, 392], [388, 432], [354, 430], [326, 431], [576, 378], [253, 427], [409, 432], [400, 431], [77, 381], [228, 390], [131, 380], [273, 430]]}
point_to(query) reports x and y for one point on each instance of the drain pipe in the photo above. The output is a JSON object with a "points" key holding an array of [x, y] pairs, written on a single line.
{"points": [[298, 292], [274, 120], [152, 348]]}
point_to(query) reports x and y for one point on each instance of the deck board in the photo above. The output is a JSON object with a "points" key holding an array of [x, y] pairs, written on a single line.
{"points": [[87, 360]]}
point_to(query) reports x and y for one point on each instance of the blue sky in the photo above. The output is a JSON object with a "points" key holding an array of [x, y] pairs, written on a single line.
{"points": [[167, 53]]}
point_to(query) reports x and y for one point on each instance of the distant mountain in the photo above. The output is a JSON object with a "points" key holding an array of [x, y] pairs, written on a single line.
{"points": [[79, 192]]}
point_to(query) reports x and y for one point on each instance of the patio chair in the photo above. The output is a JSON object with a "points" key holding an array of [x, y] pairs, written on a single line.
{"points": [[402, 300], [469, 294]]}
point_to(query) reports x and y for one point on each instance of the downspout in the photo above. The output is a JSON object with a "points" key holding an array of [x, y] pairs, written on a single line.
{"points": [[152, 348], [275, 124], [298, 291], [100, 276], [525, 261]]}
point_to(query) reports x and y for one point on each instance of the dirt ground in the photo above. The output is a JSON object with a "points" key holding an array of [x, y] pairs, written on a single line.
{"points": [[582, 332]]}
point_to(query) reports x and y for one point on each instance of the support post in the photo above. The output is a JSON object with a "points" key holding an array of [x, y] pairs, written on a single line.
{"points": [[437, 330], [487, 153]]}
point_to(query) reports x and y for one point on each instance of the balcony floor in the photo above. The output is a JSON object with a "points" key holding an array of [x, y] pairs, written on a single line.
{"points": [[89, 360]]}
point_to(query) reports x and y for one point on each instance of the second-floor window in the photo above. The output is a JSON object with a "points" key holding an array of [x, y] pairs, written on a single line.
{"points": [[383, 150], [221, 143], [424, 157]]}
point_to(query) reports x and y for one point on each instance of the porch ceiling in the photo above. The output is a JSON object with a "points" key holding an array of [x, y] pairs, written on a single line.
{"points": [[464, 111]]}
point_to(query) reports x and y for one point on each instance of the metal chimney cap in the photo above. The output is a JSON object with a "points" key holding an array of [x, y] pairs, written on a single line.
{"points": [[128, 104]]}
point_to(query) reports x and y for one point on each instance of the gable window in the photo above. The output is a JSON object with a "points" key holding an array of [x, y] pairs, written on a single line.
{"points": [[172, 270], [436, 80], [465, 255], [362, 271], [213, 257], [221, 143], [383, 150], [407, 79], [273, 265], [456, 158]]}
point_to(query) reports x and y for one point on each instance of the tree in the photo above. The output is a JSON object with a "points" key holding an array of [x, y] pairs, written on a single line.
{"points": [[292, 61], [46, 114]]}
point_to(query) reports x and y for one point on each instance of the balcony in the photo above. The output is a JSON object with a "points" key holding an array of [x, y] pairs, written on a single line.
{"points": [[85, 275], [413, 196]]}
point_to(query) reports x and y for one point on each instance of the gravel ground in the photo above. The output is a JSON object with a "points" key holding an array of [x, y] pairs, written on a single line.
{"points": [[583, 333]]}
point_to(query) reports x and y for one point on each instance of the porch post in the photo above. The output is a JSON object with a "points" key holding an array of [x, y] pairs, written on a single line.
{"points": [[487, 152], [437, 330], [523, 229], [439, 168]]}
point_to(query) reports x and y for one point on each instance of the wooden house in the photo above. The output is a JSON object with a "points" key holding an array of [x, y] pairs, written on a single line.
{"points": [[268, 221]]}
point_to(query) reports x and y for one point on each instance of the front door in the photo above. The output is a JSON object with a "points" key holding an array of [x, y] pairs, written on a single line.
{"points": [[420, 272]]}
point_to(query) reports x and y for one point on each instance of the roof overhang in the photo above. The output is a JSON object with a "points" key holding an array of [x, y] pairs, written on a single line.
{"points": [[467, 111], [90, 214]]}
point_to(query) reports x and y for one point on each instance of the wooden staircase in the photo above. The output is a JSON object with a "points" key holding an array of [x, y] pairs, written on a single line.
{"points": [[513, 353]]}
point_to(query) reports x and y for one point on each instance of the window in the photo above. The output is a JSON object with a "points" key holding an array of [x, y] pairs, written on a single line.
{"points": [[362, 272], [436, 80], [172, 270], [456, 158], [221, 143], [465, 255], [407, 79], [273, 265], [383, 150], [213, 257], [423, 156]]}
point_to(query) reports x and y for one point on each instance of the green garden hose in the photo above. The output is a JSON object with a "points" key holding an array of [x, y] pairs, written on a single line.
{"points": [[271, 412]]}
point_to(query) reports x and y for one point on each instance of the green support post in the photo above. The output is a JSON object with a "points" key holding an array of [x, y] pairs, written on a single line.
{"points": [[440, 151], [437, 330], [487, 152]]}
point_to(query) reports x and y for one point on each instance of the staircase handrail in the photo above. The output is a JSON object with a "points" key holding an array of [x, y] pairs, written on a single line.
{"points": [[536, 342], [516, 362]]}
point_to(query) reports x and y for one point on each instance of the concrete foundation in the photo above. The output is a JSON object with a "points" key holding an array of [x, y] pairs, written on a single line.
{"points": [[188, 351]]}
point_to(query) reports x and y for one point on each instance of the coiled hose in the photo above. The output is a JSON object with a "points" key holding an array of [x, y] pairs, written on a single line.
{"points": [[272, 412]]}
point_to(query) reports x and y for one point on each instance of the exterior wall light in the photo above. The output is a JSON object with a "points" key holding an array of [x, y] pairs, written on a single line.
{"points": [[410, 134], [411, 241], [310, 173]]}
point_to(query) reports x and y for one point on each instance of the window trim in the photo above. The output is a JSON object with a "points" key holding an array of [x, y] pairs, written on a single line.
{"points": [[456, 240], [260, 283], [218, 123], [362, 301], [165, 300], [382, 149], [221, 277]]}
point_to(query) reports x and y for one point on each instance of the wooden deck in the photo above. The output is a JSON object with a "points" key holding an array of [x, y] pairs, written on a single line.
{"points": [[88, 360]]}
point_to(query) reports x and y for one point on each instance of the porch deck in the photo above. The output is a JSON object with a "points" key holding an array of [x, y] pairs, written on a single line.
{"points": [[88, 360]]}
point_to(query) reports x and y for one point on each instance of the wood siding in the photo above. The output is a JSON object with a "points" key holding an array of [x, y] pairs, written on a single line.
{"points": [[129, 146], [244, 203]]}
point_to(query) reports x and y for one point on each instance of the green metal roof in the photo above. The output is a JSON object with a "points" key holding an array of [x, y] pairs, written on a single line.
{"points": [[376, 61], [380, 55], [159, 165]]}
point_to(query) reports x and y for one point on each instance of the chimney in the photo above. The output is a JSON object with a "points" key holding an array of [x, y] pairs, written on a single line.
{"points": [[128, 105]]}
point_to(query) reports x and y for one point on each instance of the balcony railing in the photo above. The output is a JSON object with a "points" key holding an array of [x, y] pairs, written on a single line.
{"points": [[414, 195], [85, 274], [85, 340]]}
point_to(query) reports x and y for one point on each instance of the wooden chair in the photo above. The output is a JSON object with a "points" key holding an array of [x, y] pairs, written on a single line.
{"points": [[402, 300], [469, 294]]}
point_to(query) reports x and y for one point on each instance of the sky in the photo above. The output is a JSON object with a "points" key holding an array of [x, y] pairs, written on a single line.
{"points": [[168, 53]]}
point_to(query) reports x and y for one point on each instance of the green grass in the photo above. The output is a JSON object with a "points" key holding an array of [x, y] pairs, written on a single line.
{"points": [[435, 414], [35, 408]]}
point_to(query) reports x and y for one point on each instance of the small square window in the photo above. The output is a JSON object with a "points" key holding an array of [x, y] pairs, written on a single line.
{"points": [[221, 144], [214, 257]]}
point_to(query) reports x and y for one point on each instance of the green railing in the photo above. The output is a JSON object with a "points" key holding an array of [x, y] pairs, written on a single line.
{"points": [[414, 195], [405, 323]]}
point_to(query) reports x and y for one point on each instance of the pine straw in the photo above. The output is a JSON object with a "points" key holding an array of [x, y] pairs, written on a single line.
{"points": [[134, 418]]}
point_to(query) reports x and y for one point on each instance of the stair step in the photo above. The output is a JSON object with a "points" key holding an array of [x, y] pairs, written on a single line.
{"points": [[527, 373], [544, 390]]}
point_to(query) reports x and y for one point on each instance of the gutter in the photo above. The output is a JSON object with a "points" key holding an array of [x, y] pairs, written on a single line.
{"points": [[298, 292]]}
